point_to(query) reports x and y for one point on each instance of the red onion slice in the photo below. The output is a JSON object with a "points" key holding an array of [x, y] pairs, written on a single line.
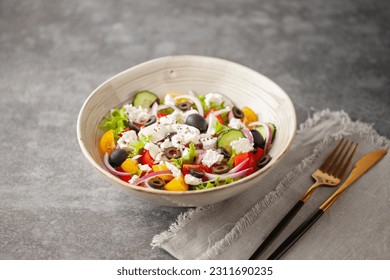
{"points": [[241, 173], [230, 116], [200, 156], [248, 135], [151, 175], [238, 167], [216, 113], [112, 169], [154, 109]]}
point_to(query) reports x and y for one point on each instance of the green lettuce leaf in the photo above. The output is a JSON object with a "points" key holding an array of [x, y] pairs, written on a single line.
{"points": [[115, 120], [219, 128], [217, 107], [188, 158], [139, 145], [218, 182], [214, 106], [202, 100], [231, 159]]}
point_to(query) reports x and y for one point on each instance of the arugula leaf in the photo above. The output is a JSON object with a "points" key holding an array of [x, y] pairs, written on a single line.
{"points": [[115, 120]]}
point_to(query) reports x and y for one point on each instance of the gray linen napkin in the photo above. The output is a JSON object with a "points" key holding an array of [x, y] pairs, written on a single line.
{"points": [[355, 227]]}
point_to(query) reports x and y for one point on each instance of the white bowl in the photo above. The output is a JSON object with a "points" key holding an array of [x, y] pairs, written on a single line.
{"points": [[181, 74]]}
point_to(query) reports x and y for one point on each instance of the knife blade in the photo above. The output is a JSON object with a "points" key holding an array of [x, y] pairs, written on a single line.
{"points": [[360, 167]]}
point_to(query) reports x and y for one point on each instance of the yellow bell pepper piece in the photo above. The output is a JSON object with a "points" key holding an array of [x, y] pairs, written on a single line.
{"points": [[162, 167], [176, 184], [130, 166], [249, 116]]}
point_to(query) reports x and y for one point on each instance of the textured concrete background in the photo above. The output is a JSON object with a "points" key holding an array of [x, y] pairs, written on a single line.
{"points": [[53, 205]]}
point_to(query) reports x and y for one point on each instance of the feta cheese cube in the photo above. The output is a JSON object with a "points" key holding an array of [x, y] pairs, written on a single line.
{"points": [[211, 157], [144, 167], [236, 123], [209, 142], [213, 97], [169, 101], [184, 135], [171, 118], [178, 141], [166, 144], [137, 114], [191, 180], [157, 131], [127, 138], [242, 145], [176, 172], [153, 149], [133, 179], [160, 157]]}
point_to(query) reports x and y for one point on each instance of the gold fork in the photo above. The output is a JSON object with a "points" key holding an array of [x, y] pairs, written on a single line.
{"points": [[329, 174]]}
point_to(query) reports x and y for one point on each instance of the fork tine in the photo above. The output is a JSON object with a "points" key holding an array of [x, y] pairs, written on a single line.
{"points": [[342, 169], [339, 158], [327, 163]]}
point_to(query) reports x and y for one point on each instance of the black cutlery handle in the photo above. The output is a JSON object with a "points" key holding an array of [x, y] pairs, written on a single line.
{"points": [[294, 237], [278, 229]]}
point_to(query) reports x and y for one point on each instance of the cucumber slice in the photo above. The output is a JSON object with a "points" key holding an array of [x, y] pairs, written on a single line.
{"points": [[229, 136], [261, 129], [145, 99]]}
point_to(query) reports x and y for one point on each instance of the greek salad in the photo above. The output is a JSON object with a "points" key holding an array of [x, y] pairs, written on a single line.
{"points": [[184, 142]]}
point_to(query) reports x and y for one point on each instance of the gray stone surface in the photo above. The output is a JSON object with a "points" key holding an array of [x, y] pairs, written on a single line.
{"points": [[53, 205]]}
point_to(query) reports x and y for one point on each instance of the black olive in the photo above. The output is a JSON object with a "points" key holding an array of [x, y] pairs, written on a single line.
{"points": [[197, 121], [172, 152], [151, 120], [258, 139], [117, 157], [156, 183], [224, 152], [196, 173], [132, 126], [220, 169], [184, 106], [263, 161], [237, 113]]}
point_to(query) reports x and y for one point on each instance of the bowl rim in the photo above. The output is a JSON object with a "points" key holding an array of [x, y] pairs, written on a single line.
{"points": [[181, 193]]}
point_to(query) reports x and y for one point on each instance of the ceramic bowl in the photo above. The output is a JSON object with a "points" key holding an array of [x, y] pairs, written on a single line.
{"points": [[181, 74]]}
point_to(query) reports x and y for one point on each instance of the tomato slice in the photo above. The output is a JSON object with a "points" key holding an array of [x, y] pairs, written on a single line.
{"points": [[107, 142], [249, 115], [253, 156], [146, 158], [125, 178], [186, 168], [160, 115], [219, 117]]}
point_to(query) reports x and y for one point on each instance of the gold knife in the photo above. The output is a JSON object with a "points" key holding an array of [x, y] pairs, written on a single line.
{"points": [[360, 167]]}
